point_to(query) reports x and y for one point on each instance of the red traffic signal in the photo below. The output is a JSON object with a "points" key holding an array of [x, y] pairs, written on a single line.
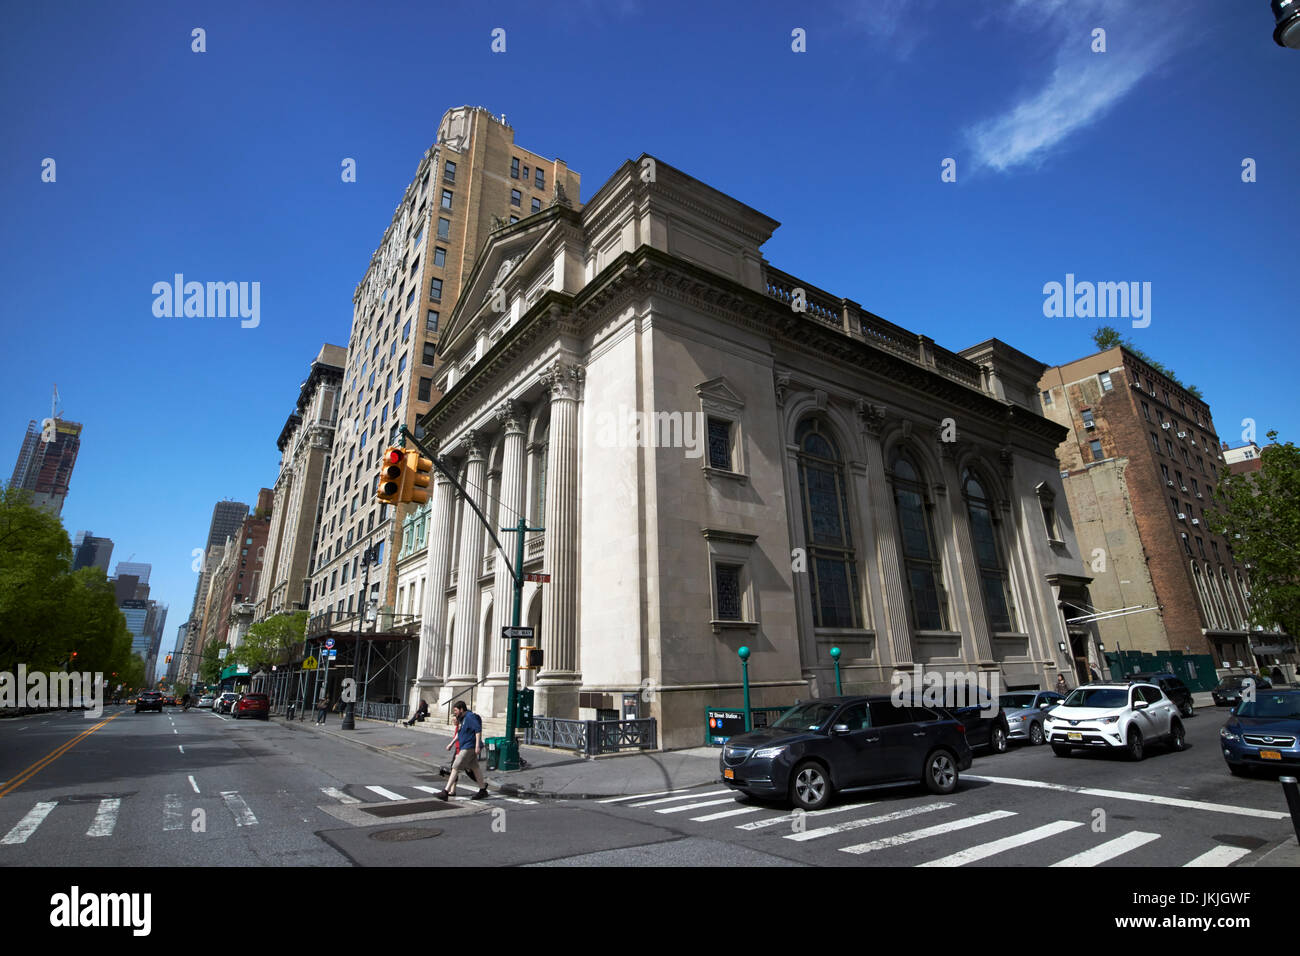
{"points": [[391, 470]]}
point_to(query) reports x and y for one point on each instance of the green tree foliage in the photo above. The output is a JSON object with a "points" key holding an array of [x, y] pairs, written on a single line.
{"points": [[1106, 337], [1259, 512], [209, 664], [267, 639]]}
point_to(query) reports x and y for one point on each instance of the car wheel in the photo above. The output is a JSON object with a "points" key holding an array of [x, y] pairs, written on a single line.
{"points": [[1060, 750], [1188, 709], [1036, 734], [1177, 737], [998, 739], [810, 786], [1134, 745], [940, 772]]}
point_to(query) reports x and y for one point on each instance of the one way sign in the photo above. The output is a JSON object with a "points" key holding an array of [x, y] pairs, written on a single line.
{"points": [[517, 633]]}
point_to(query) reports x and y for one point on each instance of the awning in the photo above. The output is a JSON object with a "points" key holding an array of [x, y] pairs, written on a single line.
{"points": [[1274, 649], [235, 670]]}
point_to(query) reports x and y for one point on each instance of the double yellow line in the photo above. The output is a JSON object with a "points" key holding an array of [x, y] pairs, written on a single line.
{"points": [[16, 782]]}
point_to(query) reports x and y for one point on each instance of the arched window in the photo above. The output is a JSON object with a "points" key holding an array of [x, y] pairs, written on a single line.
{"points": [[922, 569], [832, 562], [993, 575]]}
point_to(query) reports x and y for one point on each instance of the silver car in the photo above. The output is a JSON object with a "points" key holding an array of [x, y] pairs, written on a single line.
{"points": [[1025, 710]]}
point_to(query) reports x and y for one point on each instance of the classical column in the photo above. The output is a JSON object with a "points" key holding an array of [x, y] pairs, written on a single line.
{"points": [[433, 616], [891, 610], [558, 683], [966, 597], [510, 415], [471, 566]]}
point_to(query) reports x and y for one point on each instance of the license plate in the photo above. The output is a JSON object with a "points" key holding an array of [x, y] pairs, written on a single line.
{"points": [[1270, 755], [1075, 736], [729, 774]]}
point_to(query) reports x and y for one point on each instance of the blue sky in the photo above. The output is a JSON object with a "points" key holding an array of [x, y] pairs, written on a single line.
{"points": [[224, 165]]}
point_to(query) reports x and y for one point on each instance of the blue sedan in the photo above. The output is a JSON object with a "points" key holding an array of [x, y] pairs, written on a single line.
{"points": [[1024, 710], [1264, 732]]}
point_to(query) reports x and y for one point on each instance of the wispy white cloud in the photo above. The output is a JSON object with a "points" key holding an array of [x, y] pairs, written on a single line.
{"points": [[1083, 86]]}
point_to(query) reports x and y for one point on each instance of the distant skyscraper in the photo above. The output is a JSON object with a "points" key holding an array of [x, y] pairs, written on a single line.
{"points": [[139, 569], [89, 551], [45, 467], [227, 516]]}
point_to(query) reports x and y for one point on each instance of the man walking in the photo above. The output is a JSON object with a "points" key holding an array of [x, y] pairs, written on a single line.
{"points": [[322, 708], [470, 741]]}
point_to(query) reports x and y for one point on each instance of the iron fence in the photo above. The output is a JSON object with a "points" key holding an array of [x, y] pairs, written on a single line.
{"points": [[593, 736]]}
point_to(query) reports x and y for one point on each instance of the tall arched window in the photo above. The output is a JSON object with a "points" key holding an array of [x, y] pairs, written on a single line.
{"points": [[922, 568], [832, 562], [994, 581]]}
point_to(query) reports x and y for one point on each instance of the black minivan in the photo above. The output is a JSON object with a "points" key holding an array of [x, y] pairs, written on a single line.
{"points": [[820, 747]]}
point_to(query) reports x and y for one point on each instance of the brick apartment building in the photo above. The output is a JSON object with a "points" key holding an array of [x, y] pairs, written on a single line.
{"points": [[1139, 469]]}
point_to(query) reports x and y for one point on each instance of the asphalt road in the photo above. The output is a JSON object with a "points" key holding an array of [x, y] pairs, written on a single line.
{"points": [[129, 794]]}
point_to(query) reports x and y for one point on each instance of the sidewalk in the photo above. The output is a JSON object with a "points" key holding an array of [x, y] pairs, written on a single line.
{"points": [[548, 774]]}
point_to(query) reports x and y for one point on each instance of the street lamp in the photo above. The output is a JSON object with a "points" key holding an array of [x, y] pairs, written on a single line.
{"points": [[835, 656], [1287, 31], [743, 654]]}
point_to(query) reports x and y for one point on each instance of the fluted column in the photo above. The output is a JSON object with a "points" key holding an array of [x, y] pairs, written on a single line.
{"points": [[966, 598], [558, 682], [433, 615], [893, 606], [471, 566], [511, 496]]}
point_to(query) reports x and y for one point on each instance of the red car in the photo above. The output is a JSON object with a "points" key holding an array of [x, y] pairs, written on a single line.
{"points": [[252, 705]]}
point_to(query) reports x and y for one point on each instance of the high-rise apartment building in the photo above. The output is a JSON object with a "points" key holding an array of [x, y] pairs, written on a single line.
{"points": [[1139, 469], [304, 443], [89, 551], [472, 180], [45, 462]]}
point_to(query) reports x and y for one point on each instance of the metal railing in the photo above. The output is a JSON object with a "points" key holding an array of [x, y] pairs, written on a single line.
{"points": [[373, 711], [593, 736]]}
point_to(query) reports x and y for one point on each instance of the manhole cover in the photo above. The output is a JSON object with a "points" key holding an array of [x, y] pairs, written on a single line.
{"points": [[404, 834], [1242, 842], [408, 807]]}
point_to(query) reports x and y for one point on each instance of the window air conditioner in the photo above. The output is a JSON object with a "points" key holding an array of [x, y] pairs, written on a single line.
{"points": [[1182, 434], [1181, 516], [1089, 424], [1196, 521], [1184, 487], [1199, 495], [1165, 426], [1170, 482]]}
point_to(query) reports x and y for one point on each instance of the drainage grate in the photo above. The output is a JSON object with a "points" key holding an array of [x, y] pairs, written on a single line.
{"points": [[404, 834], [408, 807]]}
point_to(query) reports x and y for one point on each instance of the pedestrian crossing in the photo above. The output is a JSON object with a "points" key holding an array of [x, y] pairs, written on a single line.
{"points": [[176, 813], [932, 833]]}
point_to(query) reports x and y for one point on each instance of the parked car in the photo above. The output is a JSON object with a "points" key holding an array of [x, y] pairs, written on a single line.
{"points": [[1174, 689], [1228, 693], [224, 702], [986, 725], [169, 700], [252, 705], [1115, 716], [1264, 732], [207, 700], [1024, 710], [149, 700], [825, 746]]}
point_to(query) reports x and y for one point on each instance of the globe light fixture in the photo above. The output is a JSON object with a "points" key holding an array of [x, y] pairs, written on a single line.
{"points": [[1287, 31]]}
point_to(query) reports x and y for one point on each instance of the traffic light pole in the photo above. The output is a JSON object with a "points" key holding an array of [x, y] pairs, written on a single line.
{"points": [[509, 758]]}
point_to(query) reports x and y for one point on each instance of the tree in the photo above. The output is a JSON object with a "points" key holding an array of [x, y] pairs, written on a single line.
{"points": [[1106, 337], [1259, 512], [209, 664], [266, 639], [35, 577]]}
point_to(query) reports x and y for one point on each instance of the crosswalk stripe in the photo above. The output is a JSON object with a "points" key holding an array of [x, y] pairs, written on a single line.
{"points": [[1138, 797], [638, 796], [723, 814], [1110, 849], [697, 806], [1219, 856], [526, 802], [868, 822], [791, 817], [338, 795], [914, 835], [105, 818], [429, 789], [238, 809], [386, 794], [692, 796], [28, 824], [985, 850], [172, 812]]}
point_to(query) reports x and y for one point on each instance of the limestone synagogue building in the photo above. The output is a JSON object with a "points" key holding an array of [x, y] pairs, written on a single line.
{"points": [[723, 455]]}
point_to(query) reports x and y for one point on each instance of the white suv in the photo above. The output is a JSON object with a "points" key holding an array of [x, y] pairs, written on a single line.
{"points": [[1114, 715]]}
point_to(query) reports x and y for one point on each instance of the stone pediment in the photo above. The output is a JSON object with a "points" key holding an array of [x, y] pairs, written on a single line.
{"points": [[717, 395]]}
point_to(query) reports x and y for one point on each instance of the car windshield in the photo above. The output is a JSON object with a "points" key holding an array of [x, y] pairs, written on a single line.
{"points": [[1016, 701], [1099, 697], [1272, 705], [810, 716]]}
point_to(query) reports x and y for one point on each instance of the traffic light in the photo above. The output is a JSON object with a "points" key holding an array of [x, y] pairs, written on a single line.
{"points": [[416, 479], [392, 471], [169, 658], [530, 658]]}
